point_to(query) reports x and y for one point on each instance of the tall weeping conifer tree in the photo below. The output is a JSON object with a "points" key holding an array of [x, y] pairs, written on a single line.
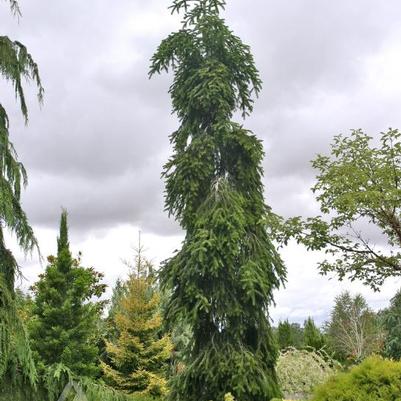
{"points": [[222, 279], [16, 65]]}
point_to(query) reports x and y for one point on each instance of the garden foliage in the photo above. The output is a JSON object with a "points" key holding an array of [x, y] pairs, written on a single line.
{"points": [[353, 331], [357, 183], [375, 379], [65, 314], [138, 354], [300, 371]]}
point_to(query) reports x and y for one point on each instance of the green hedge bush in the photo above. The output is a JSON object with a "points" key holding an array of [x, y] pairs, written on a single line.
{"points": [[375, 379]]}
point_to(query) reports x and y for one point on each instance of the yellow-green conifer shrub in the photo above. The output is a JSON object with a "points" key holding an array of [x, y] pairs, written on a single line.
{"points": [[375, 379], [139, 355]]}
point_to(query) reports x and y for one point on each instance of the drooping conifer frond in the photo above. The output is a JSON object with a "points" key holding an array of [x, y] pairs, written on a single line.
{"points": [[13, 178], [54, 381], [16, 360], [16, 65]]}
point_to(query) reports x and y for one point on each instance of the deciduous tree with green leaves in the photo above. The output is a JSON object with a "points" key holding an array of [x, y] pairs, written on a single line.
{"points": [[359, 190], [65, 314], [222, 279], [16, 66]]}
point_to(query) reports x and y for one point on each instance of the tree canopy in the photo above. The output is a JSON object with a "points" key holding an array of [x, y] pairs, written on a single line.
{"points": [[353, 330], [359, 191]]}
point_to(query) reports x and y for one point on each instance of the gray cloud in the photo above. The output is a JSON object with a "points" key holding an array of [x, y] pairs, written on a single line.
{"points": [[98, 145]]}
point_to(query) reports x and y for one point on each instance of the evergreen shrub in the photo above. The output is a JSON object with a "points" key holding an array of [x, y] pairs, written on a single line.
{"points": [[373, 380]]}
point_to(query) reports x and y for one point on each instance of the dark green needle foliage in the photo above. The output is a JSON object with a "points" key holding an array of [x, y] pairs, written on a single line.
{"points": [[312, 335], [64, 326], [16, 66], [285, 335], [221, 281]]}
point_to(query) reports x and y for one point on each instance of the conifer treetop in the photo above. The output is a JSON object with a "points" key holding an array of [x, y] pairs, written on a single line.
{"points": [[215, 71], [62, 240]]}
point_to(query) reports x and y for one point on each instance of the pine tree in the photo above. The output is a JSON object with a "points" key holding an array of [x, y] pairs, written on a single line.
{"points": [[222, 279], [312, 335], [16, 65], [64, 326], [138, 357]]}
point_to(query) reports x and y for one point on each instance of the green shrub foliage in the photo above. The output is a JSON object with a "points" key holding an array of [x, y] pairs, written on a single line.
{"points": [[222, 280], [375, 379]]}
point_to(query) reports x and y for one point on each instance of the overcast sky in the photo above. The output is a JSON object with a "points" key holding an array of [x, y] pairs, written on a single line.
{"points": [[98, 144]]}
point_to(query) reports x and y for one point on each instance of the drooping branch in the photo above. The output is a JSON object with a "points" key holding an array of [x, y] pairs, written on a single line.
{"points": [[16, 64]]}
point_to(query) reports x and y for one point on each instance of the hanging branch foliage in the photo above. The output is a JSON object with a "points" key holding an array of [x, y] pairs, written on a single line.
{"points": [[221, 281], [16, 65]]}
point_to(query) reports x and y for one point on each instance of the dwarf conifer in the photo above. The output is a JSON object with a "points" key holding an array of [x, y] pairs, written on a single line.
{"points": [[64, 326], [138, 355]]}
